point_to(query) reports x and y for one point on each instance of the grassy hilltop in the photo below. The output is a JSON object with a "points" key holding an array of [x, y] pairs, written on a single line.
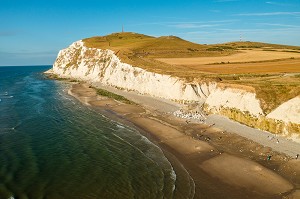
{"points": [[272, 71], [142, 50]]}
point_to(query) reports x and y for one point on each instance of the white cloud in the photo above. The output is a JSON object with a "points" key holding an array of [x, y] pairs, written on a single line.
{"points": [[8, 33], [193, 25], [188, 24], [215, 11], [269, 14], [200, 24], [277, 3], [272, 35], [222, 1], [27, 58], [279, 25]]}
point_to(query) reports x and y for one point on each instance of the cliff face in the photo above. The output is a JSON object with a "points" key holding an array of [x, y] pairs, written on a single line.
{"points": [[97, 65], [288, 111], [234, 98]]}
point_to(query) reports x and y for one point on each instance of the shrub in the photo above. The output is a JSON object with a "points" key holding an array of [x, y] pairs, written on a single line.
{"points": [[108, 94]]}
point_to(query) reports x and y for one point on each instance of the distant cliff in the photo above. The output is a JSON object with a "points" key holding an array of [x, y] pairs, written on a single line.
{"points": [[238, 103]]}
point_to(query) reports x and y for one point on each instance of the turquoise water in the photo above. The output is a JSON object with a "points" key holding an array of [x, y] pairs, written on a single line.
{"points": [[51, 146]]}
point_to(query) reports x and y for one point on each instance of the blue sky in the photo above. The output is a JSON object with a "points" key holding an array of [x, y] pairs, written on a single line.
{"points": [[33, 31]]}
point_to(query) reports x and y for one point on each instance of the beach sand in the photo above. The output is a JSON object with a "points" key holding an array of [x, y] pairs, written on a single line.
{"points": [[229, 168], [222, 164]]}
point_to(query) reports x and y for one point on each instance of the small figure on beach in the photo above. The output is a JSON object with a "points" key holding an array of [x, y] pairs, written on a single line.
{"points": [[211, 125], [277, 141], [269, 157], [270, 137], [297, 156]]}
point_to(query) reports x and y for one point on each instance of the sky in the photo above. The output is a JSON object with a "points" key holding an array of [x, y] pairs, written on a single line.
{"points": [[33, 31]]}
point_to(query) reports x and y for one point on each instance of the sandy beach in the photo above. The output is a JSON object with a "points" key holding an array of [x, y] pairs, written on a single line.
{"points": [[222, 163]]}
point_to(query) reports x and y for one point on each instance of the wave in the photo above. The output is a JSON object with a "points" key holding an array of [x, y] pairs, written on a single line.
{"points": [[120, 126], [155, 155], [6, 130], [7, 97], [4, 94]]}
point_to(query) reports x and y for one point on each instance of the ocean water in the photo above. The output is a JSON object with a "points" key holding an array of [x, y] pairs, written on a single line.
{"points": [[52, 146]]}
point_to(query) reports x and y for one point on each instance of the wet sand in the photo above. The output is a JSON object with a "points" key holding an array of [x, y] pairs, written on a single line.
{"points": [[222, 164]]}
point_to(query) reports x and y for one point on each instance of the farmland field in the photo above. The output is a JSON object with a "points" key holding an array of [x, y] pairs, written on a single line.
{"points": [[248, 61]]}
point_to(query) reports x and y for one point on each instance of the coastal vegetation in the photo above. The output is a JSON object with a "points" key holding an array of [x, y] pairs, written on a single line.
{"points": [[111, 95], [57, 77]]}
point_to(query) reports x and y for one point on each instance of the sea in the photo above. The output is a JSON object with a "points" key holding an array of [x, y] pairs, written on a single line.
{"points": [[52, 147]]}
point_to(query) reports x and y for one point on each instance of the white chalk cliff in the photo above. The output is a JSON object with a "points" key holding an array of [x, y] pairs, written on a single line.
{"points": [[288, 111], [97, 65]]}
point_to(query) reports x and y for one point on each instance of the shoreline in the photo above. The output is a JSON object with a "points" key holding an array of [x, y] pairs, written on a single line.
{"points": [[201, 148]]}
